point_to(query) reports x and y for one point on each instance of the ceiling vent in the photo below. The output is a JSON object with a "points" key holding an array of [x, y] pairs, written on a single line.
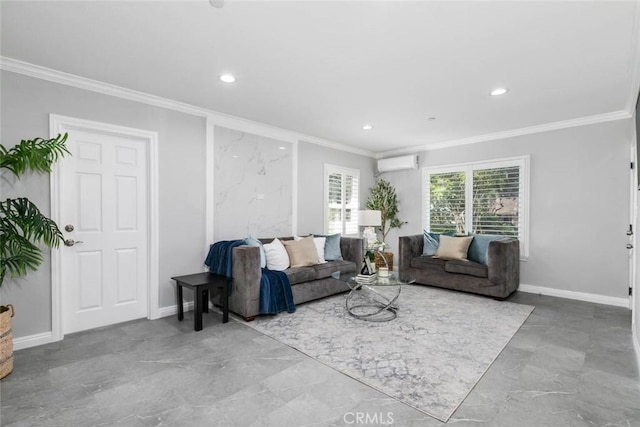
{"points": [[398, 163]]}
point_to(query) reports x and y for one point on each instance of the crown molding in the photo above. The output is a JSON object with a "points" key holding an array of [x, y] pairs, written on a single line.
{"points": [[269, 131], [564, 124], [217, 118]]}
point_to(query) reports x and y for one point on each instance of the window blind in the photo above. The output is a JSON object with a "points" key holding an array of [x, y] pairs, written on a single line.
{"points": [[496, 201], [482, 198], [342, 200], [447, 202]]}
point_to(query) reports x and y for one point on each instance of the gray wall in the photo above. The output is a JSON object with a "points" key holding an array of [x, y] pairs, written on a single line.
{"points": [[253, 186], [262, 168], [579, 203], [26, 105], [311, 161]]}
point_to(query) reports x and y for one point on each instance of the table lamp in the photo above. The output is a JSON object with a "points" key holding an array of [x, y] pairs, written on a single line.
{"points": [[369, 219]]}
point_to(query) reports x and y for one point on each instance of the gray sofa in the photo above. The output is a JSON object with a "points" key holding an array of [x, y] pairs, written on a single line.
{"points": [[498, 279], [307, 283]]}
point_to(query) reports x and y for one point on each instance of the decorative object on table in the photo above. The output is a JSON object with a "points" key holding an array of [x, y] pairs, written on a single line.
{"points": [[369, 219], [368, 267], [383, 198], [423, 358], [383, 272], [23, 227]]}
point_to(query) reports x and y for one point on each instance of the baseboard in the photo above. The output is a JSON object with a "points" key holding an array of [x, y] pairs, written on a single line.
{"points": [[636, 344], [33, 340], [580, 296], [172, 310]]}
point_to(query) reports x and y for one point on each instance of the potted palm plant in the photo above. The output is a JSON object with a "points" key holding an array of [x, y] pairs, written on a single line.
{"points": [[383, 198], [24, 230]]}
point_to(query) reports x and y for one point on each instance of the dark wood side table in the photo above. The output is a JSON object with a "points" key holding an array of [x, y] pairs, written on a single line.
{"points": [[201, 283]]}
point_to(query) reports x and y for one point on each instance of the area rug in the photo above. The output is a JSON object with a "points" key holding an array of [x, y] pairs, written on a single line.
{"points": [[430, 357]]}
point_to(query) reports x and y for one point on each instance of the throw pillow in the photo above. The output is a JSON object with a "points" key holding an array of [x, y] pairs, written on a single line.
{"points": [[480, 245], [430, 243], [277, 258], [252, 241], [332, 250], [320, 242], [302, 253], [453, 247]]}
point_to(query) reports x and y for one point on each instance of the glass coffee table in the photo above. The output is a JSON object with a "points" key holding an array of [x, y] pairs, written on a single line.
{"points": [[376, 299]]}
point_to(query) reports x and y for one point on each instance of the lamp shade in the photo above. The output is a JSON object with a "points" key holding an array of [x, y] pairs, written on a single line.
{"points": [[368, 218]]}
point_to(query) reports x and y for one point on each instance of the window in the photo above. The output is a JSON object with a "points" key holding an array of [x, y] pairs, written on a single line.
{"points": [[341, 200], [484, 198]]}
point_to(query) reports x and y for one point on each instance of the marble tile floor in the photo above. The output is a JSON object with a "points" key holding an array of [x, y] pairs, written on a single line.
{"points": [[571, 364]]}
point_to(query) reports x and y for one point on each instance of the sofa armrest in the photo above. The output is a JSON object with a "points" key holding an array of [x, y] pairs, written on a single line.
{"points": [[245, 295], [409, 247], [352, 249], [503, 263]]}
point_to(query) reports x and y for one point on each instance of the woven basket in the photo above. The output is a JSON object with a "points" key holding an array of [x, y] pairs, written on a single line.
{"points": [[6, 340], [379, 261]]}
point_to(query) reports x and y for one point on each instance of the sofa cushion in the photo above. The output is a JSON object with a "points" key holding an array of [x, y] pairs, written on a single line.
{"points": [[327, 269], [332, 249], [466, 267], [453, 247], [300, 274], [426, 261], [301, 252], [277, 257], [320, 242], [480, 245], [252, 241]]}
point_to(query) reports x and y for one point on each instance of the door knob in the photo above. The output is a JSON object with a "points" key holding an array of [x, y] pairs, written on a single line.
{"points": [[69, 228], [71, 242]]}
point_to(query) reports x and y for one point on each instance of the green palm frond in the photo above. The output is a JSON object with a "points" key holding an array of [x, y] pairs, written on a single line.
{"points": [[36, 155], [23, 228]]}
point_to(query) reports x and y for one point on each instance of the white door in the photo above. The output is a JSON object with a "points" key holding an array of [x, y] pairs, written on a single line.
{"points": [[103, 216]]}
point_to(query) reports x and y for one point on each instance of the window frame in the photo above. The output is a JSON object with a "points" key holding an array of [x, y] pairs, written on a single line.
{"points": [[523, 162], [332, 169]]}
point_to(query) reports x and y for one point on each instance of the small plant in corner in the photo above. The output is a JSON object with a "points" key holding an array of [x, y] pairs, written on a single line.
{"points": [[23, 228], [383, 198]]}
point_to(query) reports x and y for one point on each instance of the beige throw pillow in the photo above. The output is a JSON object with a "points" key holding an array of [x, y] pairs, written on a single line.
{"points": [[301, 252], [453, 247]]}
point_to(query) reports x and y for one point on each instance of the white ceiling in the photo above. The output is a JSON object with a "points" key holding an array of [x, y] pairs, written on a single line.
{"points": [[327, 68]]}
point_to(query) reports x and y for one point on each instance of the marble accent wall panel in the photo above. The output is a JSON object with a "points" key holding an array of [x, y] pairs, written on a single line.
{"points": [[252, 185]]}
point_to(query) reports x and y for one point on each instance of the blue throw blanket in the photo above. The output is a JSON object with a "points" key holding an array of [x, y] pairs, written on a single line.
{"points": [[275, 288], [275, 293], [219, 259]]}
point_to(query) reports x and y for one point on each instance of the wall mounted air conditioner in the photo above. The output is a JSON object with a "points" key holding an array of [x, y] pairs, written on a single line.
{"points": [[398, 163]]}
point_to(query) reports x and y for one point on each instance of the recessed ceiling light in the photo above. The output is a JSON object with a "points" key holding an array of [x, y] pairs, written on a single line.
{"points": [[235, 156], [282, 147], [431, 118], [227, 78], [499, 91], [367, 127]]}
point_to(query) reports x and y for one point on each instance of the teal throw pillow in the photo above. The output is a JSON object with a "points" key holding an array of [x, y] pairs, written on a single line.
{"points": [[252, 241], [431, 241], [332, 250], [479, 247]]}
